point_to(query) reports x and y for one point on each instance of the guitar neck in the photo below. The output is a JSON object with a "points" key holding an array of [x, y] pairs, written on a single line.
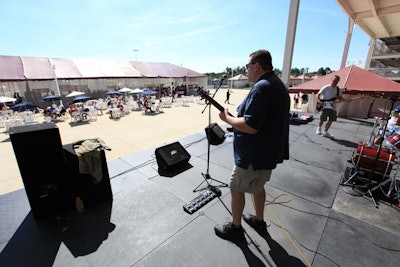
{"points": [[212, 101], [216, 104]]}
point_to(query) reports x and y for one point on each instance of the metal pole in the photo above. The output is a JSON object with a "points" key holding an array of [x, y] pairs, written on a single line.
{"points": [[290, 38], [232, 78], [135, 50], [58, 88], [350, 28]]}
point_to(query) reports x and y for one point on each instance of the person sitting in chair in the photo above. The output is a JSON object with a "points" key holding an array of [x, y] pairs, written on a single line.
{"points": [[147, 105], [393, 125]]}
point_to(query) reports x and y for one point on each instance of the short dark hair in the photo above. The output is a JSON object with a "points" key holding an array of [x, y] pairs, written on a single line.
{"points": [[263, 57]]}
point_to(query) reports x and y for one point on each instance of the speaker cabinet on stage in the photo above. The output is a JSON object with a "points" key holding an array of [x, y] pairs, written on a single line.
{"points": [[171, 156], [41, 162], [215, 134], [86, 186]]}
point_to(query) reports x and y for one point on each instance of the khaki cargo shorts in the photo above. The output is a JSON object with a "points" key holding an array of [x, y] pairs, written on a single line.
{"points": [[249, 181]]}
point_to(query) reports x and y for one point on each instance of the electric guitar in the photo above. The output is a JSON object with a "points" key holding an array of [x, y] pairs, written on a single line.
{"points": [[204, 94], [331, 103]]}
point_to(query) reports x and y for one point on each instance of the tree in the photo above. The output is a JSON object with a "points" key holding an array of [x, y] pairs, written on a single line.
{"points": [[321, 71], [328, 70], [295, 72], [242, 70]]}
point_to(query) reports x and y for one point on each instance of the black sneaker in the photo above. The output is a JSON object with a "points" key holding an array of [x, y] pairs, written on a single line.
{"points": [[229, 232], [259, 226]]}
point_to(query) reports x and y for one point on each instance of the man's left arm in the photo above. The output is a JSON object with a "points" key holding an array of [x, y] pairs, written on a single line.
{"points": [[237, 123]]}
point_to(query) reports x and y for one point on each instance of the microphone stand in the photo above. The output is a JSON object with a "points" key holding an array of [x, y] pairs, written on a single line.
{"points": [[207, 175]]}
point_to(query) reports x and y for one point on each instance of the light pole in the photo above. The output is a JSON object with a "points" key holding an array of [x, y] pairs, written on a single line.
{"points": [[58, 88], [232, 78], [305, 71], [135, 50]]}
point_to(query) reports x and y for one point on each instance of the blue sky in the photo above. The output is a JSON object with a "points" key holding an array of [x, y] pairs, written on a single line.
{"points": [[206, 35]]}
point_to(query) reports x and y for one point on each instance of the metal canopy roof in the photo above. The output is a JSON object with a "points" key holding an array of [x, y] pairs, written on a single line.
{"points": [[378, 18], [353, 80], [43, 68]]}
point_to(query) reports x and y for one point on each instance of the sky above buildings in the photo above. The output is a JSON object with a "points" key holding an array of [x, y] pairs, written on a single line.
{"points": [[206, 35]]}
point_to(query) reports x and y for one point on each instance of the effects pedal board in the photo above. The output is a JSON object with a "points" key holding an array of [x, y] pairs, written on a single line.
{"points": [[201, 200]]}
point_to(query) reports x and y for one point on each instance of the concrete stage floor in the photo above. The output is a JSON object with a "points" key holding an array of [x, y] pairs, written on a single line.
{"points": [[311, 219]]}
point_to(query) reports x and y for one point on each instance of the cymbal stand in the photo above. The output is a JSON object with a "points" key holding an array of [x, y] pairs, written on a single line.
{"points": [[392, 189], [369, 187], [376, 128], [207, 175]]}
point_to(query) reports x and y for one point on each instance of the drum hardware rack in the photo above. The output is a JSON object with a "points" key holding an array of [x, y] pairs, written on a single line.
{"points": [[377, 125], [362, 181], [386, 182]]}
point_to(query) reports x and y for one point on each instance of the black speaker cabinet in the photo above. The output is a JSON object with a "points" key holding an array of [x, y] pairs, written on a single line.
{"points": [[215, 134], [41, 162], [171, 156], [86, 186]]}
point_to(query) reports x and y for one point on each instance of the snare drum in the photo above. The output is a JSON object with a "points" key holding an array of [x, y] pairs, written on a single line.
{"points": [[364, 157]]}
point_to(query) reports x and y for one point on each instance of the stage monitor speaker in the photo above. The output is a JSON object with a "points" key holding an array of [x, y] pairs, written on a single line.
{"points": [[40, 157], [171, 156], [215, 134]]}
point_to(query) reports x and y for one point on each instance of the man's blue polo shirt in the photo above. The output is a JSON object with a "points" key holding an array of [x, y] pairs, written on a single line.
{"points": [[265, 108]]}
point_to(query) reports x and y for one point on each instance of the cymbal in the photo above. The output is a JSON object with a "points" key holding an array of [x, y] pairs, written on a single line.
{"points": [[384, 110]]}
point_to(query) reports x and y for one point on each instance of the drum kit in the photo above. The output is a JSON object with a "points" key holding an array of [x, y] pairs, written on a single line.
{"points": [[374, 166]]}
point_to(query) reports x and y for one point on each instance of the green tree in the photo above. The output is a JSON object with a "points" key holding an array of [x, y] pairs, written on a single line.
{"points": [[295, 72], [321, 71]]}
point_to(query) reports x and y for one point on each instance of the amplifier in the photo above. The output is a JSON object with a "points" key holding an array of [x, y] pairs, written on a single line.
{"points": [[215, 134], [171, 156]]}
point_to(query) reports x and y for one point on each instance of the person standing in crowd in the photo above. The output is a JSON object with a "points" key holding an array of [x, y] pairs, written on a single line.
{"points": [[328, 93], [228, 94], [296, 100], [261, 141]]}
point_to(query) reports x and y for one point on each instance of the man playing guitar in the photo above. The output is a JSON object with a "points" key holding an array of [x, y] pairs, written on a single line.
{"points": [[326, 97], [260, 143]]}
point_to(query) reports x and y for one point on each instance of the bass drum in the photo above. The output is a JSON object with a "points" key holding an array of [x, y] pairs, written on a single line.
{"points": [[364, 159]]}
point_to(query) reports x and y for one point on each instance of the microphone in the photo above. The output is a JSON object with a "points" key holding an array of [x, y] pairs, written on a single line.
{"points": [[222, 79]]}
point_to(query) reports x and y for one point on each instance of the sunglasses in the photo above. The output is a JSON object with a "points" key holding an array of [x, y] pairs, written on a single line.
{"points": [[248, 65]]}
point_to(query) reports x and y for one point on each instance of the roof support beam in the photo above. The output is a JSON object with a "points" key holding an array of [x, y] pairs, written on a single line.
{"points": [[377, 18], [290, 37], [374, 8], [350, 28]]}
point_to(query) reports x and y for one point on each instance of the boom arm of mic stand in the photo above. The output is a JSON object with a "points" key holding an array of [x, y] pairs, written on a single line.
{"points": [[216, 90]]}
